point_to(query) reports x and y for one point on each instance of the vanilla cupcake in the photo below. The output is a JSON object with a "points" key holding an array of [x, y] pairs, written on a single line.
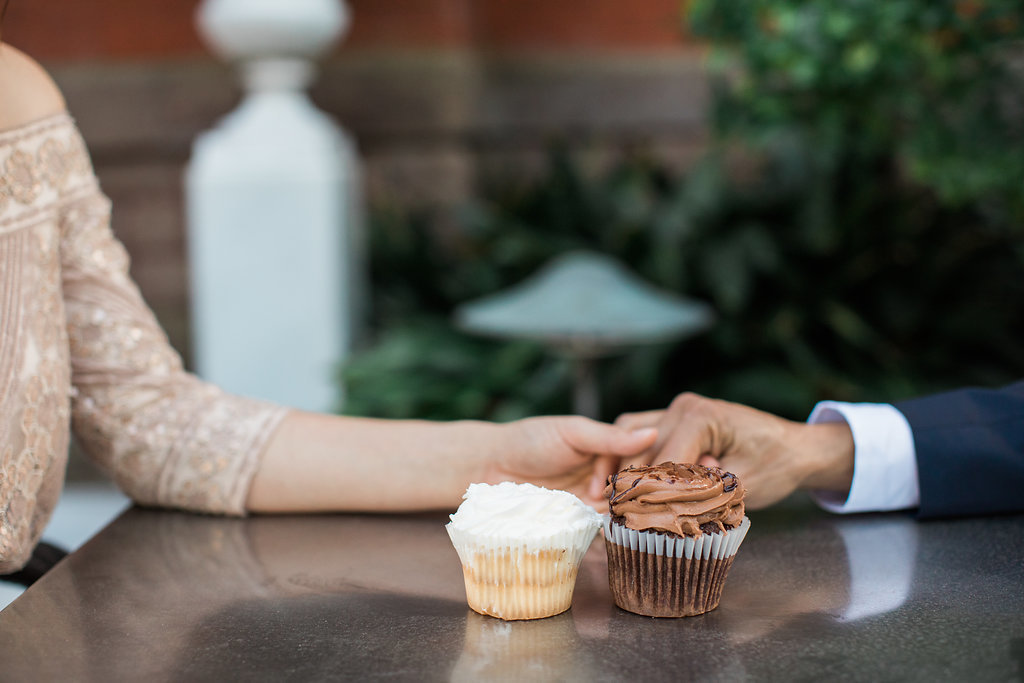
{"points": [[521, 547], [671, 537]]}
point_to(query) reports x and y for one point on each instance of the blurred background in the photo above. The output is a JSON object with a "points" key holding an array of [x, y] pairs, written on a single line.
{"points": [[843, 182]]}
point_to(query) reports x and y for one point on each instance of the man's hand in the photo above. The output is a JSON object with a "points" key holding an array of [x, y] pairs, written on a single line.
{"points": [[561, 453], [771, 456]]}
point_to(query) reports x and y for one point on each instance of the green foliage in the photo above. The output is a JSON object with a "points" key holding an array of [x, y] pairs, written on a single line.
{"points": [[858, 225], [423, 369], [933, 85]]}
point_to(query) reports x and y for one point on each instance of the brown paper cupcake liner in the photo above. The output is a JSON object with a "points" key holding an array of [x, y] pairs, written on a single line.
{"points": [[661, 576]]}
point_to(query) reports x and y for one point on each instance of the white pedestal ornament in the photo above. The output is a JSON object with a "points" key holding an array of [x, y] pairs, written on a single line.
{"points": [[274, 225]]}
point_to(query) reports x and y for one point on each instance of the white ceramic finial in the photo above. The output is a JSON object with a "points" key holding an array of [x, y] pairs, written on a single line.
{"points": [[255, 29], [273, 202]]}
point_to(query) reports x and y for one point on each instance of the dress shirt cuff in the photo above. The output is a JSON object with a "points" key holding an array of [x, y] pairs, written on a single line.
{"points": [[884, 463]]}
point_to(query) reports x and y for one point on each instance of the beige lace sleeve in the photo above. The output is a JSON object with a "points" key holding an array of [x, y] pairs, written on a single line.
{"points": [[78, 345], [166, 438]]}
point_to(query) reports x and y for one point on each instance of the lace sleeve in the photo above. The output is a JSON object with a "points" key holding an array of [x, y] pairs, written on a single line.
{"points": [[166, 437]]}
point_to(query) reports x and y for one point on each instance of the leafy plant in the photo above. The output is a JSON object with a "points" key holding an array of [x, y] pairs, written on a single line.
{"points": [[858, 224]]}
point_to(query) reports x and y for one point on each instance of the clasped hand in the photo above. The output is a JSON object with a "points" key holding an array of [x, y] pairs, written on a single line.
{"points": [[772, 456]]}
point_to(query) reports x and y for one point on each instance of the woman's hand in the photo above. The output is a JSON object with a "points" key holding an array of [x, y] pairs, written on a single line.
{"points": [[772, 456], [569, 453]]}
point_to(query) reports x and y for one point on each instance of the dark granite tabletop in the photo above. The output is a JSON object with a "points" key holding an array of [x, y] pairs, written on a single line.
{"points": [[162, 596]]}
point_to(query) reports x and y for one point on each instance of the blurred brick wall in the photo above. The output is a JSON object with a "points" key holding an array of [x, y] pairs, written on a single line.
{"points": [[129, 29], [435, 92]]}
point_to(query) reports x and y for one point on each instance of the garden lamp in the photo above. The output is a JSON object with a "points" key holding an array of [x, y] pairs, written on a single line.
{"points": [[585, 306]]}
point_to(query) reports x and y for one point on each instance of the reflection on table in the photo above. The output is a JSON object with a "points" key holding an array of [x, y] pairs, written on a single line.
{"points": [[169, 596]]}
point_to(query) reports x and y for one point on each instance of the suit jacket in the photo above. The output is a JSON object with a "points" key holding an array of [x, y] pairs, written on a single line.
{"points": [[970, 450]]}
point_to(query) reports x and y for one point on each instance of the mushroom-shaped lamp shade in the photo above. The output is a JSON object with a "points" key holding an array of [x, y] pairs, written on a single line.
{"points": [[586, 304]]}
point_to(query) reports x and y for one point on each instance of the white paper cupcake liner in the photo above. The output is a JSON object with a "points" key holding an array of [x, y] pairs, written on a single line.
{"points": [[718, 546], [516, 578]]}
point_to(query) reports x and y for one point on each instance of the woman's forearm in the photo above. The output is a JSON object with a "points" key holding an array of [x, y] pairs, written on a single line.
{"points": [[328, 463], [325, 463]]}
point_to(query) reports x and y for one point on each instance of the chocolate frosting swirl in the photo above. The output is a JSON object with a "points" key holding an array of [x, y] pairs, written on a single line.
{"points": [[675, 498]]}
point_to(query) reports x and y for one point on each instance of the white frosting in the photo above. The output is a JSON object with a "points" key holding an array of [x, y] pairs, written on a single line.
{"points": [[521, 510]]}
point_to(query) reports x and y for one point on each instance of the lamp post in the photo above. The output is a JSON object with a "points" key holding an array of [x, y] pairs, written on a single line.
{"points": [[272, 195], [586, 306]]}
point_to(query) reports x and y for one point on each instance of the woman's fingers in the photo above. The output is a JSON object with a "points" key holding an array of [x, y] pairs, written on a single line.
{"points": [[602, 439], [648, 418]]}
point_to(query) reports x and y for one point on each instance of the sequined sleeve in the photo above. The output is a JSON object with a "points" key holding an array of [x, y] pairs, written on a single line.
{"points": [[79, 347], [167, 438]]}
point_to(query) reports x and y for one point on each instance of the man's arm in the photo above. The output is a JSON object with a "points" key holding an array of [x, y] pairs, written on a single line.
{"points": [[958, 453], [970, 450]]}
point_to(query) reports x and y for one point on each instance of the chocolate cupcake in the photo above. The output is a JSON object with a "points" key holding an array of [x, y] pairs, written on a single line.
{"points": [[671, 537]]}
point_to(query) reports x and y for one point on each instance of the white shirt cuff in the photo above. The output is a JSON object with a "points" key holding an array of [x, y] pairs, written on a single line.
{"points": [[884, 462]]}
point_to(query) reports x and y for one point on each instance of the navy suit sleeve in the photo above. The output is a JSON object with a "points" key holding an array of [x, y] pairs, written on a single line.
{"points": [[970, 450]]}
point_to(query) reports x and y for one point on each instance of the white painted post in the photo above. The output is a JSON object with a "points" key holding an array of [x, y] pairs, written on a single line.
{"points": [[274, 227]]}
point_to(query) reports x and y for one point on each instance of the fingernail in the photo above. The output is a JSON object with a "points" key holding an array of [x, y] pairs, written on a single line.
{"points": [[645, 432]]}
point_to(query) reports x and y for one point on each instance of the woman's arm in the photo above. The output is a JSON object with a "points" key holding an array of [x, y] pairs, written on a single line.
{"points": [[319, 462]]}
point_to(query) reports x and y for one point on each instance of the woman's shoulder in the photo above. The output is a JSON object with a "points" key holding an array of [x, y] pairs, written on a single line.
{"points": [[29, 94]]}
